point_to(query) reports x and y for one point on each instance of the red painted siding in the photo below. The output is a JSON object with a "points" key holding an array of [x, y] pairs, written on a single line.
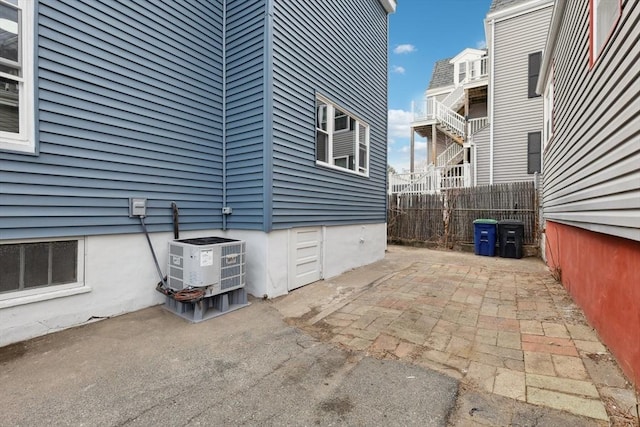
{"points": [[602, 274]]}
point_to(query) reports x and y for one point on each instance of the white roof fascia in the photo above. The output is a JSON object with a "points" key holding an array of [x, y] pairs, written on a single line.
{"points": [[520, 9], [476, 83], [439, 90], [389, 5], [552, 37], [512, 12], [467, 51]]}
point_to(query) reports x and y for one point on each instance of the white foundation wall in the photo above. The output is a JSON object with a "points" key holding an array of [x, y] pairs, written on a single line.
{"points": [[352, 246], [120, 275], [343, 248], [267, 261]]}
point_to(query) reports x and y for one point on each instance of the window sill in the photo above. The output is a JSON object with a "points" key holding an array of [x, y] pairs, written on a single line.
{"points": [[17, 146], [341, 169], [28, 297]]}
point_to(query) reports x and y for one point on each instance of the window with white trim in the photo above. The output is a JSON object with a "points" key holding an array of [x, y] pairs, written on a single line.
{"points": [[342, 140], [535, 60], [28, 266], [534, 152], [16, 76], [604, 15]]}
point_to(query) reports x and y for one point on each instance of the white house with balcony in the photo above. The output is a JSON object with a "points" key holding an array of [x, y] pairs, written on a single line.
{"points": [[480, 114]]}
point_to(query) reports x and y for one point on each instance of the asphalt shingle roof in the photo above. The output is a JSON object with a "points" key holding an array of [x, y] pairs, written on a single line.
{"points": [[442, 74]]}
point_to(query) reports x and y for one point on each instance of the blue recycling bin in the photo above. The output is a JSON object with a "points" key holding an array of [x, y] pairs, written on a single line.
{"points": [[484, 236]]}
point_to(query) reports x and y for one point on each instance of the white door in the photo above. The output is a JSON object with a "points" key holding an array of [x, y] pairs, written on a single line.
{"points": [[305, 256]]}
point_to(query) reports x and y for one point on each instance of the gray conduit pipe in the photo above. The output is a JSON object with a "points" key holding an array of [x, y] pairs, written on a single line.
{"points": [[155, 259]]}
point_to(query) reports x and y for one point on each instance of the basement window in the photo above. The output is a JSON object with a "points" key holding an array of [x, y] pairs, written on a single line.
{"points": [[39, 268], [603, 17], [342, 139]]}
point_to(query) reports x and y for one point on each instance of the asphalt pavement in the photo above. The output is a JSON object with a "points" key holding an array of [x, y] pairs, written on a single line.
{"points": [[247, 367]]}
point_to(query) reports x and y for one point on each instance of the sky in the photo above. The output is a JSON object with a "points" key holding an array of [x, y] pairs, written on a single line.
{"points": [[420, 33]]}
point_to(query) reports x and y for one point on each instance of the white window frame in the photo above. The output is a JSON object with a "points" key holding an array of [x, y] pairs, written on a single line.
{"points": [[331, 107], [345, 158], [597, 28], [44, 293], [461, 76], [24, 140], [335, 119]]}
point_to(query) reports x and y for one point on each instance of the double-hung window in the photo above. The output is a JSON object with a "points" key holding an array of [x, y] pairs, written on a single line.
{"points": [[342, 139], [533, 73], [16, 76], [604, 15], [534, 152]]}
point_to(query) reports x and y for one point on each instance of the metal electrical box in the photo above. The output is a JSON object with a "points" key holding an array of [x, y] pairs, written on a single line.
{"points": [[214, 263]]}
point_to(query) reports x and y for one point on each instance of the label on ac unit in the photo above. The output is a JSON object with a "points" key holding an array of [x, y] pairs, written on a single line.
{"points": [[206, 257]]}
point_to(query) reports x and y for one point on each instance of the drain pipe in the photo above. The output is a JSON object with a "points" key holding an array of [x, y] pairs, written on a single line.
{"points": [[176, 223], [153, 253], [224, 115], [492, 95]]}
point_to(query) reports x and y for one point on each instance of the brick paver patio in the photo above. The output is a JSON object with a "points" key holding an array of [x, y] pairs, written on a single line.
{"points": [[503, 326]]}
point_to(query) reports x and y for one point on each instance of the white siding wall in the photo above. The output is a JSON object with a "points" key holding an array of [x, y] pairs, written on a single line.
{"points": [[515, 114], [481, 140], [592, 164]]}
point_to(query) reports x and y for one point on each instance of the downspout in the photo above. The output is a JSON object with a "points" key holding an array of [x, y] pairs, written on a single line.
{"points": [[224, 115], [475, 165], [492, 95], [267, 175], [386, 125]]}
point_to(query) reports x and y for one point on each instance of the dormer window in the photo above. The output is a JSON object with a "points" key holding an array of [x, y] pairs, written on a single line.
{"points": [[462, 72], [469, 65]]}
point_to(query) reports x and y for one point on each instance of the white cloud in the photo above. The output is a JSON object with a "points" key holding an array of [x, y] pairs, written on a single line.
{"points": [[399, 124], [399, 153], [404, 48], [481, 44], [397, 69], [419, 146]]}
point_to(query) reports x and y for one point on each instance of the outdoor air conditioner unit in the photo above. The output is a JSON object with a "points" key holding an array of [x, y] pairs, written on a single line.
{"points": [[216, 264]]}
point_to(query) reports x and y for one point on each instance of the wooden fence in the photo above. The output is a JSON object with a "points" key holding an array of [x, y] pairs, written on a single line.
{"points": [[448, 217]]}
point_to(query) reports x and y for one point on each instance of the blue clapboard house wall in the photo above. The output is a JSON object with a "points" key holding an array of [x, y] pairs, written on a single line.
{"points": [[205, 103]]}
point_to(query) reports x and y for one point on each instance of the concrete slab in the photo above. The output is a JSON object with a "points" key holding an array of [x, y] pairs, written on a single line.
{"points": [[476, 408]]}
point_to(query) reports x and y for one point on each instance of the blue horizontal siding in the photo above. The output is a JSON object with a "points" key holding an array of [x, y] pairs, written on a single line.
{"points": [[345, 59], [244, 106], [130, 105]]}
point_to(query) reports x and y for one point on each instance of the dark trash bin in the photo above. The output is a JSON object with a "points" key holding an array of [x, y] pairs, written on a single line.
{"points": [[510, 238], [484, 236]]}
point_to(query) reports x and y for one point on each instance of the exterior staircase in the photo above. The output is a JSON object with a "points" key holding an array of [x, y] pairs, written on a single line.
{"points": [[455, 99], [447, 120], [451, 156], [448, 170]]}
